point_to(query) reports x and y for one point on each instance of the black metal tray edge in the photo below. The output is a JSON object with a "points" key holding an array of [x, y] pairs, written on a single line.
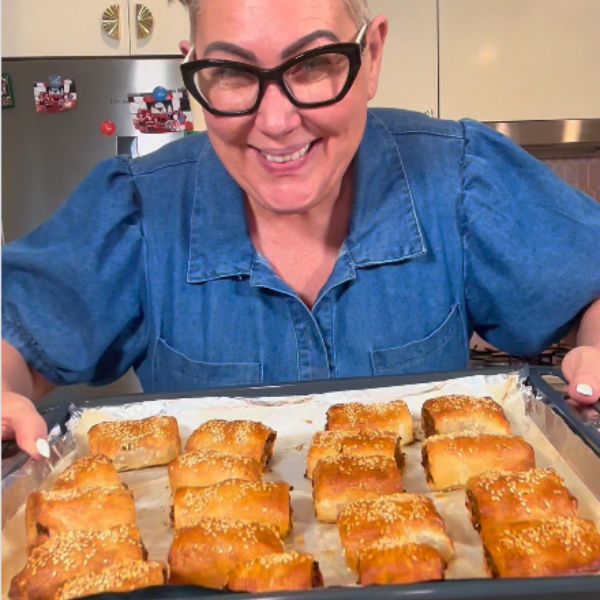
{"points": [[584, 429], [549, 588]]}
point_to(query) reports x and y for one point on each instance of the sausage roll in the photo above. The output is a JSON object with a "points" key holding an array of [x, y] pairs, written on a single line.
{"points": [[90, 471], [383, 416], [449, 414], [505, 497], [387, 562], [120, 577], [71, 554], [208, 467], [276, 572], [242, 438], [402, 518], [449, 460], [51, 512], [326, 444], [555, 547], [254, 501], [343, 479], [206, 554], [136, 444]]}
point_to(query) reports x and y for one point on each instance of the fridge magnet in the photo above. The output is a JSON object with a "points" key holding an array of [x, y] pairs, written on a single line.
{"points": [[108, 128], [161, 111], [8, 96], [58, 94]]}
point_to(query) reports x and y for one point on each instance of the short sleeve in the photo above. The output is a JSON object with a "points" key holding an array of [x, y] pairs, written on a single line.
{"points": [[74, 289], [531, 245]]}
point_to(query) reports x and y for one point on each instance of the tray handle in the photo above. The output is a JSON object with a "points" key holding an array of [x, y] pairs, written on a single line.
{"points": [[578, 423]]}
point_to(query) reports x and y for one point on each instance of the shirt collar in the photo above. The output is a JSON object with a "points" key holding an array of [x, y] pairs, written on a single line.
{"points": [[384, 226]]}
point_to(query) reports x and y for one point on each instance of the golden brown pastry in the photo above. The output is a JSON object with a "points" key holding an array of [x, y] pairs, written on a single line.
{"points": [[555, 547], [254, 501], [136, 444], [326, 444], [403, 518], [449, 414], [119, 577], [343, 479], [505, 497], [90, 471], [206, 554], [386, 562], [71, 554], [51, 512], [243, 438], [276, 572], [208, 467], [449, 460], [383, 416]]}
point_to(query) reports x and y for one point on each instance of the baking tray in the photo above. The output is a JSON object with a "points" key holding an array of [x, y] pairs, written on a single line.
{"points": [[579, 588]]}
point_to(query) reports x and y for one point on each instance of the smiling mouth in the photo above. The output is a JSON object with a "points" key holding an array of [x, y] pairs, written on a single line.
{"points": [[287, 158]]}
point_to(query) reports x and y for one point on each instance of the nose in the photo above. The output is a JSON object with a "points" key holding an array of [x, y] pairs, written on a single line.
{"points": [[276, 115]]}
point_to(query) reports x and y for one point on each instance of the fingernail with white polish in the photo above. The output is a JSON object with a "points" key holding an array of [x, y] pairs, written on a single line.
{"points": [[43, 447], [585, 390]]}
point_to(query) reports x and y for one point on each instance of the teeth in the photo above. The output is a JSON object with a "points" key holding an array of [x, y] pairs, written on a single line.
{"points": [[287, 157]]}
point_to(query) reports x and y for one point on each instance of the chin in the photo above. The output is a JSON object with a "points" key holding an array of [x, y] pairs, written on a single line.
{"points": [[287, 203]]}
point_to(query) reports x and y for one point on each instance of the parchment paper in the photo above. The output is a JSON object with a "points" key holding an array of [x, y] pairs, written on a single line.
{"points": [[296, 419]]}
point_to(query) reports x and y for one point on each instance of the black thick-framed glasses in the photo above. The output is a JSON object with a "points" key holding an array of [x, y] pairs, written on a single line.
{"points": [[318, 77]]}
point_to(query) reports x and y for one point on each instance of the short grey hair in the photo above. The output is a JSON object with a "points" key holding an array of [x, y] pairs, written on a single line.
{"points": [[357, 9]]}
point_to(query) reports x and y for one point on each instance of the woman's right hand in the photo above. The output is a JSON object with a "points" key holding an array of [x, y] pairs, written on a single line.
{"points": [[20, 385], [22, 422]]}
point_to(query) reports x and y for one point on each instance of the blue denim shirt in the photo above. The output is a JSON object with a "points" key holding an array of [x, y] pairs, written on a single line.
{"points": [[454, 229]]}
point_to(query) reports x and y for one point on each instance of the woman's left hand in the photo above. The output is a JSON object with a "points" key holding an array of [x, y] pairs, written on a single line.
{"points": [[581, 368]]}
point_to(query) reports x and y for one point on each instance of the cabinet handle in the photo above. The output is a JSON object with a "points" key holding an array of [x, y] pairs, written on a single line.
{"points": [[144, 21], [111, 21]]}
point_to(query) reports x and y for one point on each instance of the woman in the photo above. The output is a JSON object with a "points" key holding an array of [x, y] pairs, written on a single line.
{"points": [[303, 238]]}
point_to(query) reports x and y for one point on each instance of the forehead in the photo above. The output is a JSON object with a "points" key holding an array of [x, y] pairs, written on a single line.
{"points": [[268, 22]]}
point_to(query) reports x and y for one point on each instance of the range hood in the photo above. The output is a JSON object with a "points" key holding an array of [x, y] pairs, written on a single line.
{"points": [[569, 138]]}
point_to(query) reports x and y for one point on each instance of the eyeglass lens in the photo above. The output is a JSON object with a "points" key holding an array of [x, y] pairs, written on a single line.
{"points": [[316, 79]]}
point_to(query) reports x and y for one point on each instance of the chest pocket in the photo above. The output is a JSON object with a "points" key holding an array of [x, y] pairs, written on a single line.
{"points": [[445, 349], [175, 372]]}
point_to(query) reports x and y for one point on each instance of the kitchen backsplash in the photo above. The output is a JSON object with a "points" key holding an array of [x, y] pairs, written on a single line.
{"points": [[582, 173]]}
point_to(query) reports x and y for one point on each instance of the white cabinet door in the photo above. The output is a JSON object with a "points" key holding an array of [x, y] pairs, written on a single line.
{"points": [[512, 60], [409, 75], [61, 28], [170, 25]]}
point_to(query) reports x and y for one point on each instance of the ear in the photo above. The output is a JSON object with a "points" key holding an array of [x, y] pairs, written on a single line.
{"points": [[376, 37], [184, 47]]}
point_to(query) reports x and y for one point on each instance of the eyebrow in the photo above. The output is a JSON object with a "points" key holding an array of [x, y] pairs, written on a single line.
{"points": [[287, 52]]}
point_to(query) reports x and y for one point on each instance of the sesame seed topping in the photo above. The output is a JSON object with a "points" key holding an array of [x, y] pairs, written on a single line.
{"points": [[387, 509], [80, 493], [530, 537], [67, 550], [130, 574], [83, 465], [131, 433], [213, 458], [462, 404], [357, 414]]}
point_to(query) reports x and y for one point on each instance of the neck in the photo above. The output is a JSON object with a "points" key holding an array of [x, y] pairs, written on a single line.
{"points": [[324, 225]]}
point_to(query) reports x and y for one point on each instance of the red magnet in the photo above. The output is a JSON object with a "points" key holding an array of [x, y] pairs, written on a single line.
{"points": [[108, 128]]}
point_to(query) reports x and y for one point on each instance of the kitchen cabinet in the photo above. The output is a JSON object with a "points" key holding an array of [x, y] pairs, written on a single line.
{"points": [[170, 25], [513, 60], [75, 28], [409, 73]]}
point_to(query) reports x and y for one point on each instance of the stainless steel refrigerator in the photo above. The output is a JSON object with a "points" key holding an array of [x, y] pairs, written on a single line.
{"points": [[45, 156]]}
